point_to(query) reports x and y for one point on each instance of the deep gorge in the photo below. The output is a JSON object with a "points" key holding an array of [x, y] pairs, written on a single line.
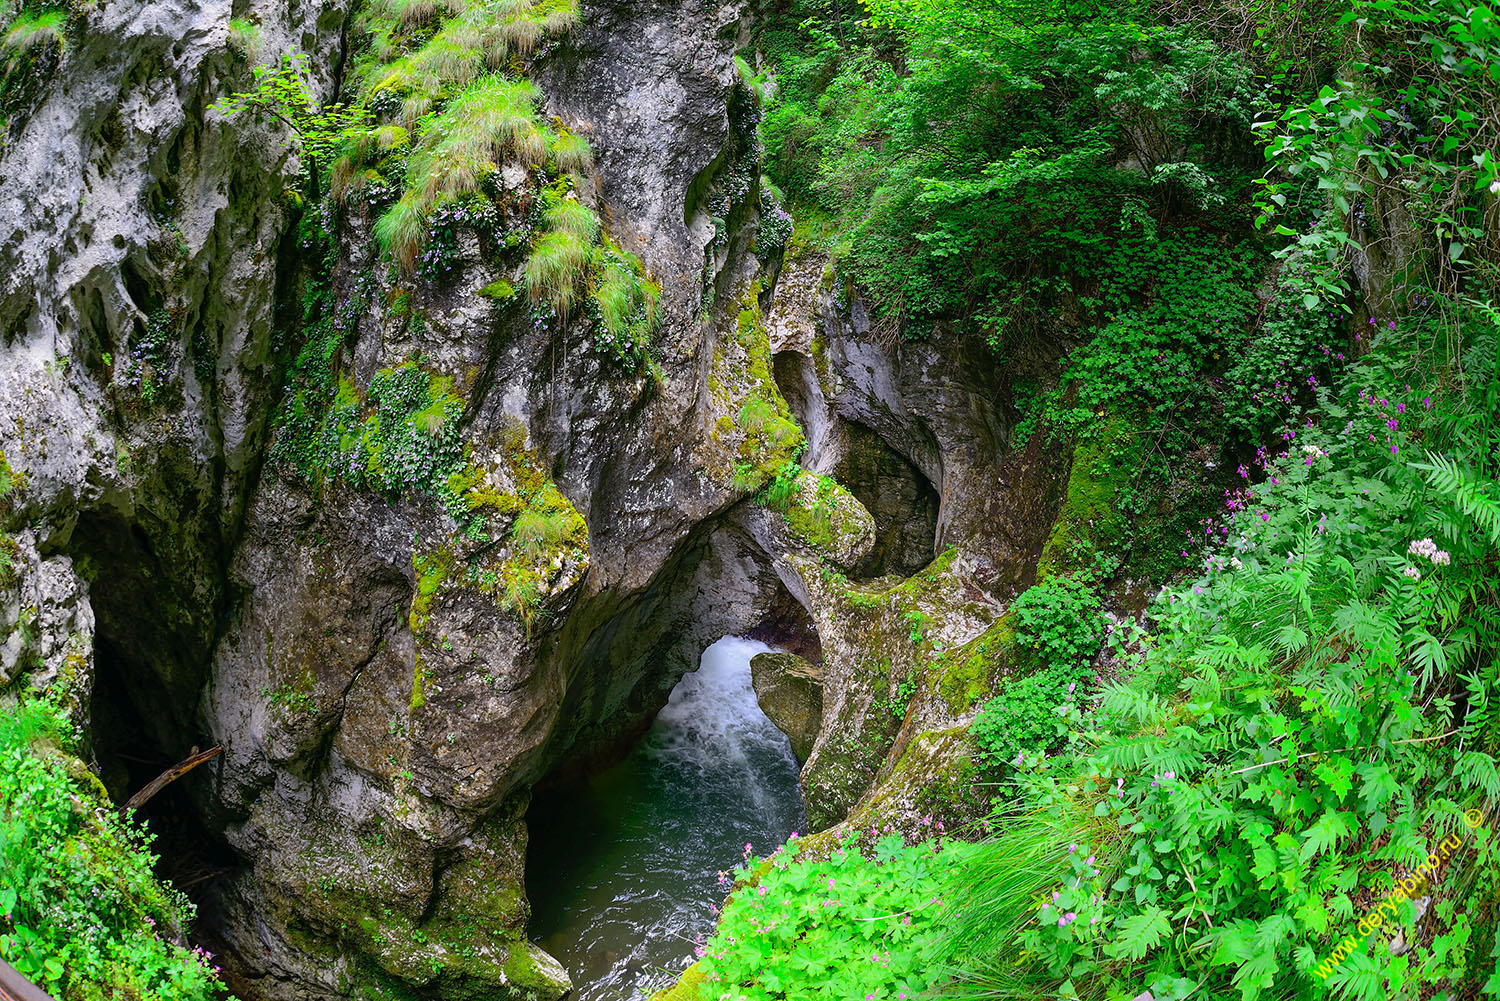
{"points": [[550, 444]]}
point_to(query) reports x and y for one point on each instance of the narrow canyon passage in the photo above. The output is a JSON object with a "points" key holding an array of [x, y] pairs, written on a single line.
{"points": [[624, 866]]}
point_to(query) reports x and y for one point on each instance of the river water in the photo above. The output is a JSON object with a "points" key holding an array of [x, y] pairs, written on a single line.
{"points": [[623, 869]]}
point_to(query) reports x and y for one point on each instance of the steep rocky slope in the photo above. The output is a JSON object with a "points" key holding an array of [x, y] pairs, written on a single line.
{"points": [[389, 674]]}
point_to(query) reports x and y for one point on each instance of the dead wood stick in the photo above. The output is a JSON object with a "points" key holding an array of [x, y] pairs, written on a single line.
{"points": [[177, 771]]}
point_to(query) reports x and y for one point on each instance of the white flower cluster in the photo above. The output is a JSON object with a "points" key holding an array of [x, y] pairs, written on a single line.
{"points": [[1428, 549], [1313, 450], [1413, 573]]}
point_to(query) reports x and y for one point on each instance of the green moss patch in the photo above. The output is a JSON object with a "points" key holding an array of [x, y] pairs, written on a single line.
{"points": [[966, 675], [1090, 520]]}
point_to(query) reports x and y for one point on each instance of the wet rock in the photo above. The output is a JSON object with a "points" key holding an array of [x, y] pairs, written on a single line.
{"points": [[790, 693]]}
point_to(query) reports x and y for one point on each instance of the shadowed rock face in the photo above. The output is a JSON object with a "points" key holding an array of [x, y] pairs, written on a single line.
{"points": [[384, 710], [790, 693]]}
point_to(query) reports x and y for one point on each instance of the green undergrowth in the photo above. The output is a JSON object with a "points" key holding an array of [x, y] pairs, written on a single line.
{"points": [[81, 912], [1056, 630], [856, 924], [1309, 720]]}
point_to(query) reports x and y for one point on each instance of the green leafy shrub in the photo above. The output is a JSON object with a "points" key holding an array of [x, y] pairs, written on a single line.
{"points": [[1058, 625], [1059, 621], [81, 913], [856, 925]]}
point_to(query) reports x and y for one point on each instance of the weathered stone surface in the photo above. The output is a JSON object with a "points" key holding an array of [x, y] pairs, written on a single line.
{"points": [[790, 693], [384, 711]]}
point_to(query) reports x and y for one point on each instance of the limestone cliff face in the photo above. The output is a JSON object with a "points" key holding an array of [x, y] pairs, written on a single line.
{"points": [[138, 264], [389, 676]]}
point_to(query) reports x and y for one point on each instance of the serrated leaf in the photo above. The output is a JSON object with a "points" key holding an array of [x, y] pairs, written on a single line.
{"points": [[1336, 772], [1376, 785], [1325, 834], [1139, 934]]}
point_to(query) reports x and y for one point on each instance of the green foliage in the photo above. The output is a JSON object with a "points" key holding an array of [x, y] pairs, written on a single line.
{"points": [[899, 700], [403, 436], [627, 303], [536, 529], [916, 622], [556, 269], [1309, 721], [1414, 116], [33, 44], [1060, 621], [10, 477], [784, 487], [9, 560], [244, 37], [980, 184], [81, 913], [492, 120], [33, 29], [856, 925], [281, 92]]}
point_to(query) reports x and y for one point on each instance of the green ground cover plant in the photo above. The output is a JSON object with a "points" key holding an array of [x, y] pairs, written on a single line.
{"points": [[1310, 717], [81, 912], [1182, 194], [858, 924]]}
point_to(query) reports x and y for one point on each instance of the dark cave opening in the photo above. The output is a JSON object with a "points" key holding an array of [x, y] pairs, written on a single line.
{"points": [[152, 643], [902, 501], [130, 753]]}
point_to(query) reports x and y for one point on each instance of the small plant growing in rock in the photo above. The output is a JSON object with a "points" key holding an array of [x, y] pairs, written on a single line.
{"points": [[538, 528], [783, 488], [322, 131], [917, 621]]}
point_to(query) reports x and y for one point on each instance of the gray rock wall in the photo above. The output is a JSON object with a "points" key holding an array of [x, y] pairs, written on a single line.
{"points": [[384, 711]]}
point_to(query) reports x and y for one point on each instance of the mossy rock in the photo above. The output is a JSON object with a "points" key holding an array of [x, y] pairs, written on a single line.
{"points": [[966, 676], [689, 987], [790, 692], [932, 777], [830, 520], [1090, 520]]}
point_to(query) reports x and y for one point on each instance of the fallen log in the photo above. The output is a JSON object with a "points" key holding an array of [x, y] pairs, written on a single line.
{"points": [[177, 771]]}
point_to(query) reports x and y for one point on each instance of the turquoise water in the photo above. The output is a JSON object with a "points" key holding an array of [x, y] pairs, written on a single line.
{"points": [[624, 868]]}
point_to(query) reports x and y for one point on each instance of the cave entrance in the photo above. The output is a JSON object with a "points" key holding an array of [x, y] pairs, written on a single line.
{"points": [[624, 867], [131, 749], [152, 641]]}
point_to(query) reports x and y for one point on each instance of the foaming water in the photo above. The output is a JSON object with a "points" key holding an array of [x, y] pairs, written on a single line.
{"points": [[623, 871]]}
